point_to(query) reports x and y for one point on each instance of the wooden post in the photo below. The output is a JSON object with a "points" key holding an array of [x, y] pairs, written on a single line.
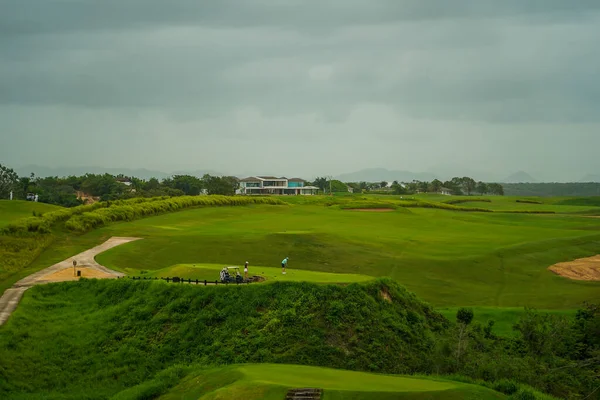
{"points": [[74, 267]]}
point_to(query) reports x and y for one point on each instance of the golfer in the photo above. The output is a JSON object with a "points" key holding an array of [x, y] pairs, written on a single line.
{"points": [[246, 271], [284, 264]]}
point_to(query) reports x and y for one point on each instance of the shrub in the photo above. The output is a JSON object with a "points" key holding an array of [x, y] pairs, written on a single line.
{"points": [[523, 394], [506, 386]]}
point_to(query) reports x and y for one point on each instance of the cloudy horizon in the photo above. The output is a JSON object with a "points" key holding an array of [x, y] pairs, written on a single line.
{"points": [[303, 87]]}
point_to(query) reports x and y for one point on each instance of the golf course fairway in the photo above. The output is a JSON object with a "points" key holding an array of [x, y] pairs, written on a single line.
{"points": [[272, 381]]}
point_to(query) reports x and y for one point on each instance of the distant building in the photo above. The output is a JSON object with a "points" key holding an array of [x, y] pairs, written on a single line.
{"points": [[271, 185], [124, 181], [446, 191]]}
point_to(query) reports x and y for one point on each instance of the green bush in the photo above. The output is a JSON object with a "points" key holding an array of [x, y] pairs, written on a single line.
{"points": [[524, 394], [506, 386]]}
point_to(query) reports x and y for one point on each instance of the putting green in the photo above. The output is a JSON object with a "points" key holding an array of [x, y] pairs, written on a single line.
{"points": [[272, 381], [210, 272]]}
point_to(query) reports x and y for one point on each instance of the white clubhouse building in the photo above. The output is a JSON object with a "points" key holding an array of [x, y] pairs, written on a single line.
{"points": [[272, 185]]}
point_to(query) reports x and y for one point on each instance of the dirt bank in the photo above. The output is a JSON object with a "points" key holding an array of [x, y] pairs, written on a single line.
{"points": [[583, 269]]}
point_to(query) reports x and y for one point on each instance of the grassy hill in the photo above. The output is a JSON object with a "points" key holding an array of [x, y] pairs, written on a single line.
{"points": [[110, 335], [11, 211], [127, 339], [271, 382]]}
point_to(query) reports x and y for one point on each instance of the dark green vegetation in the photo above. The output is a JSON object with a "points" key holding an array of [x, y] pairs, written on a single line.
{"points": [[67, 191], [109, 336], [552, 189]]}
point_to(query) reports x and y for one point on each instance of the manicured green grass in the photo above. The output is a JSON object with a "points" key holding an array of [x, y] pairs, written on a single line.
{"points": [[16, 209], [270, 381], [504, 317], [447, 258], [210, 272]]}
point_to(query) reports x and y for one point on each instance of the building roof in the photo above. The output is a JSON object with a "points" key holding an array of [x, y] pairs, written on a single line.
{"points": [[296, 180], [270, 177]]}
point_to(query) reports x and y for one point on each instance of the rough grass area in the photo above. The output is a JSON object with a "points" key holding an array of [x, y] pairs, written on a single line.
{"points": [[271, 382], [210, 272], [11, 211]]}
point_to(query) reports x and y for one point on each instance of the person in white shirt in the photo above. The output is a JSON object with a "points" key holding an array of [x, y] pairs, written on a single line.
{"points": [[246, 271]]}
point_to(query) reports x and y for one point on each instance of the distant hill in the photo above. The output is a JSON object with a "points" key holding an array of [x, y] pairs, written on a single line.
{"points": [[520, 177], [382, 174], [590, 178]]}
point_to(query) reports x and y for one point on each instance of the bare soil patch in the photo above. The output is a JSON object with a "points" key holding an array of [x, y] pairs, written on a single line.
{"points": [[372, 209], [69, 275], [583, 269], [385, 295]]}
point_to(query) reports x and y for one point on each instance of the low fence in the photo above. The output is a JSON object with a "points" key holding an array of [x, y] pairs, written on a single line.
{"points": [[176, 279]]}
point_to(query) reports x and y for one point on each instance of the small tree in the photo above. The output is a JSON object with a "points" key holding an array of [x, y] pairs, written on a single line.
{"points": [[482, 188], [8, 180], [464, 317], [468, 185]]}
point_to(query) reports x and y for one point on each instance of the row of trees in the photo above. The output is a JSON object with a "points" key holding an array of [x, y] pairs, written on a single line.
{"points": [[66, 191], [457, 186]]}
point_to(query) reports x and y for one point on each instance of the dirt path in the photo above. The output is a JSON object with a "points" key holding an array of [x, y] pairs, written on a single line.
{"points": [[583, 269], [61, 272]]}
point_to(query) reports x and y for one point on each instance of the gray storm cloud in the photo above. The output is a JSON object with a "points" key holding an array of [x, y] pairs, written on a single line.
{"points": [[303, 87]]}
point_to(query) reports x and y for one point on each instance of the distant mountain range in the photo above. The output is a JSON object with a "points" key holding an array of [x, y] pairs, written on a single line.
{"points": [[382, 174], [520, 177], [590, 178]]}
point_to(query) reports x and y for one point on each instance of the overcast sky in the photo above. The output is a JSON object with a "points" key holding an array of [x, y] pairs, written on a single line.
{"points": [[302, 87]]}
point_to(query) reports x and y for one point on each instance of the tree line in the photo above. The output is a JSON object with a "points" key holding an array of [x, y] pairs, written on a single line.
{"points": [[64, 191], [456, 186]]}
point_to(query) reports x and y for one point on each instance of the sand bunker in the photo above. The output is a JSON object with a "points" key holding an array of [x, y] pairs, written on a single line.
{"points": [[583, 269], [68, 275], [372, 209]]}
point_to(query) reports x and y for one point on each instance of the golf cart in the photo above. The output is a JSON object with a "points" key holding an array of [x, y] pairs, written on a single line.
{"points": [[231, 275]]}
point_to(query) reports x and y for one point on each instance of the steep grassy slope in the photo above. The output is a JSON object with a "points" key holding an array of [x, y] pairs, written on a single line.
{"points": [[271, 382], [11, 211], [110, 335]]}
